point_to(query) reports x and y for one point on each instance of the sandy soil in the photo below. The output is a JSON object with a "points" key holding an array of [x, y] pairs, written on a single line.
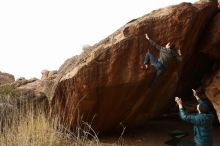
{"points": [[155, 133]]}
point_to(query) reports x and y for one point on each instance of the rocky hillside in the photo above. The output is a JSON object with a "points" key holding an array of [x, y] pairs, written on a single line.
{"points": [[6, 78], [15, 93], [105, 84]]}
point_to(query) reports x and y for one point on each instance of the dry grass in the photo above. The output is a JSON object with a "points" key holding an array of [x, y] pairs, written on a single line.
{"points": [[31, 129], [37, 129], [30, 125], [24, 122]]}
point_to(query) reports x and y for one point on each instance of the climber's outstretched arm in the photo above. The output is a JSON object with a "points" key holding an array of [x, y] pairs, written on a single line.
{"points": [[154, 44]]}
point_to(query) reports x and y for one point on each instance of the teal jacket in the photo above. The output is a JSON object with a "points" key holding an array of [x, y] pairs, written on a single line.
{"points": [[202, 126]]}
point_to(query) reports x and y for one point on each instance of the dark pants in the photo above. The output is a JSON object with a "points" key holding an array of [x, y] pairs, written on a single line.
{"points": [[156, 63]]}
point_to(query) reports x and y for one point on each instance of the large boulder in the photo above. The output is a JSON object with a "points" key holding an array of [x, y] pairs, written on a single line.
{"points": [[34, 86], [32, 90], [213, 90], [210, 45], [106, 86], [6, 78]]}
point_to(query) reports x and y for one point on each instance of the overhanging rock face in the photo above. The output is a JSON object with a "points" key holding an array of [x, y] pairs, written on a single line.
{"points": [[105, 84], [213, 91], [210, 44]]}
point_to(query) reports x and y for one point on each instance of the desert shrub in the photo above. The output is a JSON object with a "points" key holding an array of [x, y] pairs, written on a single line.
{"points": [[7, 91]]}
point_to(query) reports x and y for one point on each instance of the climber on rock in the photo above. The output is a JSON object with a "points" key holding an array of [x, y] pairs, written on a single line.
{"points": [[202, 121], [166, 55]]}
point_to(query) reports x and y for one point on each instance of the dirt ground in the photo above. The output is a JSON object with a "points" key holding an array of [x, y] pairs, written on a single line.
{"points": [[155, 133]]}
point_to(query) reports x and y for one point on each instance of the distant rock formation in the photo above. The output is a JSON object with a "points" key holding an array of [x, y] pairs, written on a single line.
{"points": [[35, 88], [32, 90], [6, 78], [25, 93], [22, 81], [48, 75], [105, 83]]}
